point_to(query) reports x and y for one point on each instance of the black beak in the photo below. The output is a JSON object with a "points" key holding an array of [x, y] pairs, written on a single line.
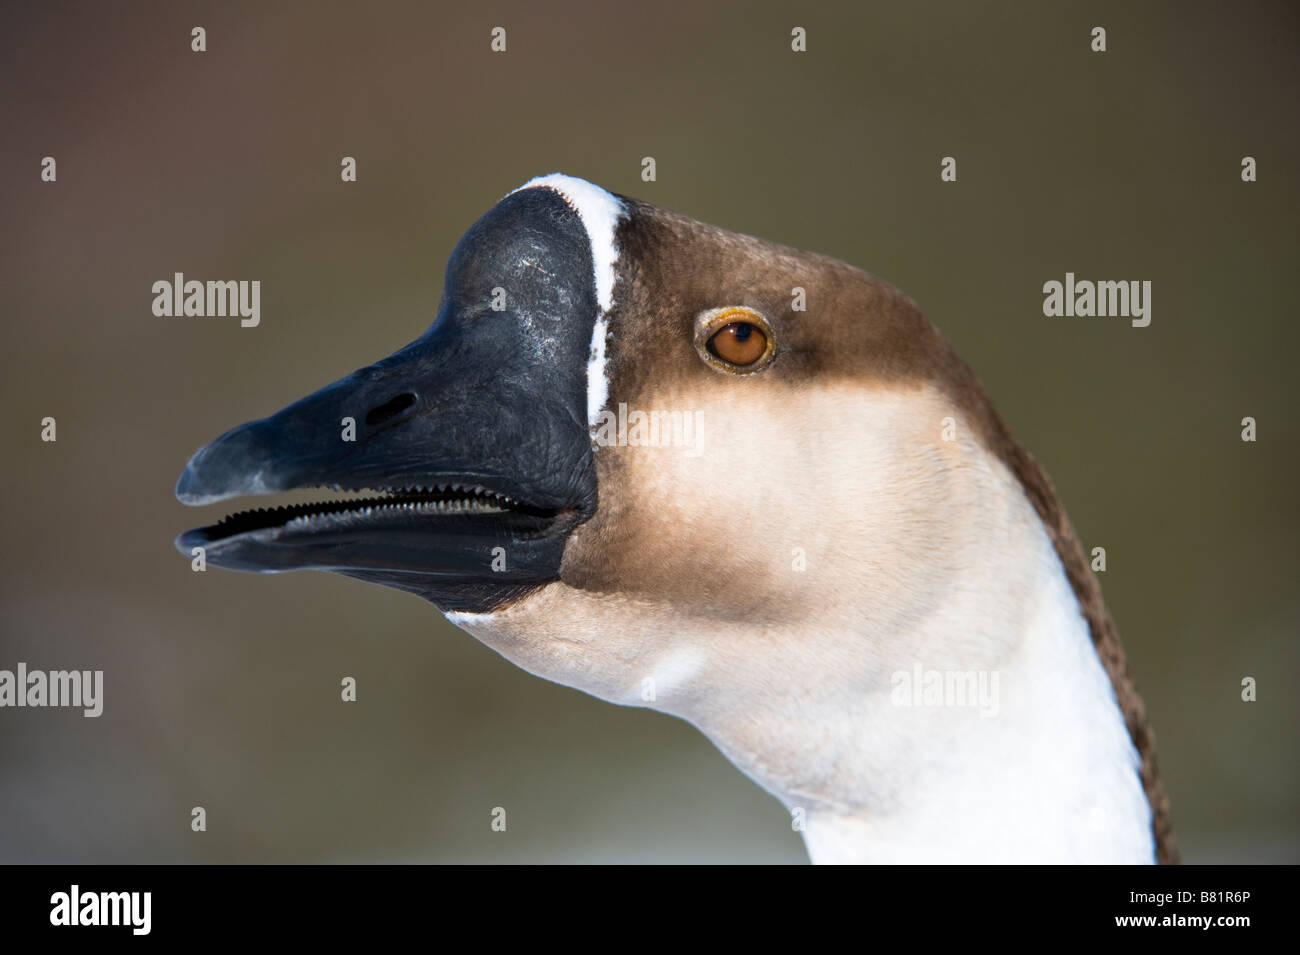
{"points": [[470, 444]]}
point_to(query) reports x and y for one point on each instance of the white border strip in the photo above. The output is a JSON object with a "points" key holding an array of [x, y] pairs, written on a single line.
{"points": [[600, 213]]}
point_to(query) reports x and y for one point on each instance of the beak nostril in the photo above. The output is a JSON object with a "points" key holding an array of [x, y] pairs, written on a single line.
{"points": [[389, 409]]}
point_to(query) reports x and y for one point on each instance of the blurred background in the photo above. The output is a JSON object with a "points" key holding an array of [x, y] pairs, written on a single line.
{"points": [[222, 690]]}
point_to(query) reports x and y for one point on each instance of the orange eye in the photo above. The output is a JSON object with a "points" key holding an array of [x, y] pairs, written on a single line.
{"points": [[740, 343], [734, 339]]}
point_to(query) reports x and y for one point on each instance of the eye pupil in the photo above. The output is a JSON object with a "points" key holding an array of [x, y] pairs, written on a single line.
{"points": [[741, 331]]}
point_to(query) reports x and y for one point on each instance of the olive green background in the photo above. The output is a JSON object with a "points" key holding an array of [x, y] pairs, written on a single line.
{"points": [[222, 690]]}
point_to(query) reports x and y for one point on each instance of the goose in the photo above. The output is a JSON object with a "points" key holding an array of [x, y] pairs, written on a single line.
{"points": [[682, 468]]}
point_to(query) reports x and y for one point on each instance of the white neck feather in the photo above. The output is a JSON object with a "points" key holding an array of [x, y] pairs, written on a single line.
{"points": [[1046, 773]]}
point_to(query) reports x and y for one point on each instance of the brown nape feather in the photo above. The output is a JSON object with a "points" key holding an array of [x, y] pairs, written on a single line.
{"points": [[1105, 636]]}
